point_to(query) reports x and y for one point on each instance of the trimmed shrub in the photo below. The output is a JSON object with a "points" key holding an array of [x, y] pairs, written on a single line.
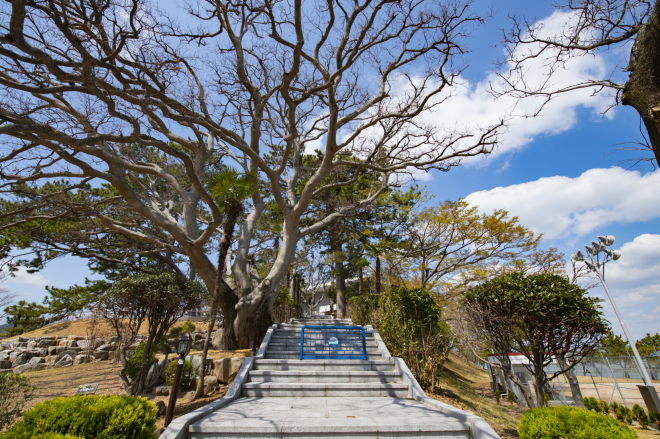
{"points": [[640, 416], [186, 373], [55, 436], [89, 417], [135, 362], [592, 404], [571, 423], [655, 419]]}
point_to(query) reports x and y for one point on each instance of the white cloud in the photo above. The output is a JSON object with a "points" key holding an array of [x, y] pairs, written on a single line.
{"points": [[561, 207], [475, 103], [22, 277]]}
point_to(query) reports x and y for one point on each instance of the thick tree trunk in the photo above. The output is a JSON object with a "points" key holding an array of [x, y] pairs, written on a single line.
{"points": [[377, 275], [642, 91], [225, 299], [573, 382]]}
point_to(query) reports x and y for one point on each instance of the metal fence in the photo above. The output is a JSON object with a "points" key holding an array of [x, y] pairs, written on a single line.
{"points": [[606, 378], [333, 342]]}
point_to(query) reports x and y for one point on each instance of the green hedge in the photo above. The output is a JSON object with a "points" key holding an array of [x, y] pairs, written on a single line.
{"points": [[571, 423], [89, 417]]}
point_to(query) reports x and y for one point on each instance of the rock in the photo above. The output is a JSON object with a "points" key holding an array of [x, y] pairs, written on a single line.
{"points": [[75, 337], [65, 361], [5, 364], [13, 356], [48, 337], [4, 356], [55, 350], [46, 343], [71, 344], [22, 345], [70, 352], [64, 342], [41, 366], [52, 359], [23, 339], [31, 345], [101, 355], [114, 339], [225, 370], [162, 391], [161, 409], [210, 384], [40, 352], [20, 360], [197, 336], [152, 375], [105, 347], [36, 360], [196, 363], [5, 346], [22, 368], [163, 364], [81, 359], [60, 337], [216, 339]]}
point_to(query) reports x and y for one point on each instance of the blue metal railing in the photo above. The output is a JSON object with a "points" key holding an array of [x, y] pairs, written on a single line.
{"points": [[333, 343]]}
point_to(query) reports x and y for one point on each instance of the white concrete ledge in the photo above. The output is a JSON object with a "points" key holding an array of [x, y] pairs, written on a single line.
{"points": [[479, 427], [264, 344], [379, 341]]}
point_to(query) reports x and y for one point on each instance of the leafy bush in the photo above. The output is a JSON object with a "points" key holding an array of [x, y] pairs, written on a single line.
{"points": [[408, 320], [640, 416], [89, 417], [55, 436], [186, 373], [135, 362], [15, 391], [570, 423], [188, 326]]}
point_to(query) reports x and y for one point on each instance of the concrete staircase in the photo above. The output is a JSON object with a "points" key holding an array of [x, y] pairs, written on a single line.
{"points": [[278, 396], [282, 373]]}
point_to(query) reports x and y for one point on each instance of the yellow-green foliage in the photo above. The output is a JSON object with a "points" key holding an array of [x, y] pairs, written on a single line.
{"points": [[571, 423], [89, 417], [135, 362], [186, 373]]}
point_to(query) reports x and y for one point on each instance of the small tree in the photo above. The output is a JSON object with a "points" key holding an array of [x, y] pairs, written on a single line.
{"points": [[408, 320], [15, 391], [543, 317], [158, 300]]}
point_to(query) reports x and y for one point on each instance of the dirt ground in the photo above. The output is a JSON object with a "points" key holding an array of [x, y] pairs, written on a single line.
{"points": [[52, 383], [83, 326]]}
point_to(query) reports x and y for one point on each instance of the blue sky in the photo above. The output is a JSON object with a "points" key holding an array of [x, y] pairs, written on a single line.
{"points": [[559, 173]]}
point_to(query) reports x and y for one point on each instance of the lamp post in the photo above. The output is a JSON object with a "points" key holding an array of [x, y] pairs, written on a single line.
{"points": [[592, 260], [181, 347]]}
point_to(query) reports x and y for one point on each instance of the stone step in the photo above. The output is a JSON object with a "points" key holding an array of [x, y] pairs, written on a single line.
{"points": [[329, 418], [292, 333], [397, 390], [320, 322], [302, 376], [300, 325], [291, 347], [295, 344], [318, 365], [295, 355]]}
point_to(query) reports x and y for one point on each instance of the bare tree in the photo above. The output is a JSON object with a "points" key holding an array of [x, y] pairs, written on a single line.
{"points": [[7, 296], [121, 94], [592, 27]]}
